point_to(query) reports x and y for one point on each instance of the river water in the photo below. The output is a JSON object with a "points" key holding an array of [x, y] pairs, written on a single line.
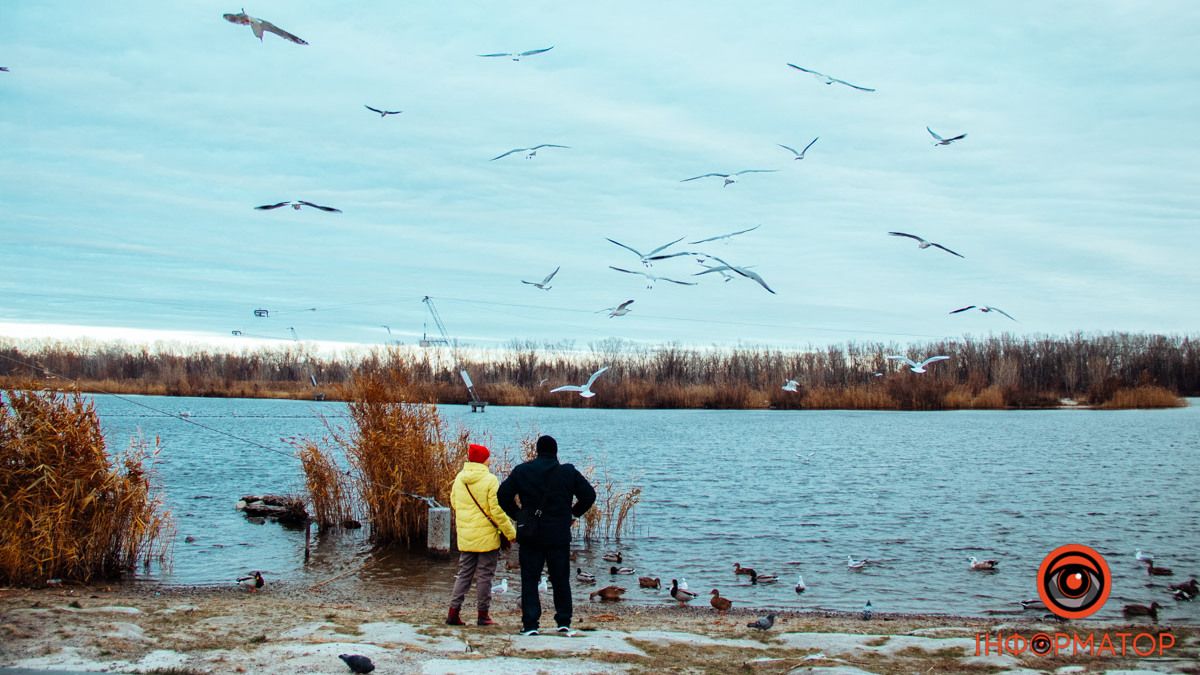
{"points": [[916, 493]]}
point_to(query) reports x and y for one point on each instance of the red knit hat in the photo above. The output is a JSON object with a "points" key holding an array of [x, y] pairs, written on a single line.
{"points": [[477, 453]]}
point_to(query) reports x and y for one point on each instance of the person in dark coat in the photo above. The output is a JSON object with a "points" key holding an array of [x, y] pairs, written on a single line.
{"points": [[568, 495]]}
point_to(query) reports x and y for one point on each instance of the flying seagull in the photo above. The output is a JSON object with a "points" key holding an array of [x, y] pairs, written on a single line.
{"points": [[944, 141], [259, 25], [725, 236], [4, 69], [983, 308], [620, 310], [585, 390], [729, 176], [828, 79], [918, 367], [296, 205], [647, 257], [651, 278], [743, 271], [544, 284], [383, 113], [922, 243], [516, 56], [532, 151], [357, 663], [799, 155], [790, 385]]}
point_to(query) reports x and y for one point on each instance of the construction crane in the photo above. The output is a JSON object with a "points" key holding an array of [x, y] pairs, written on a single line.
{"points": [[427, 341], [477, 404]]}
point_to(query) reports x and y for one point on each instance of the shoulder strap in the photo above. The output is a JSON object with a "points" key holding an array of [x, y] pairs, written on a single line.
{"points": [[481, 509]]}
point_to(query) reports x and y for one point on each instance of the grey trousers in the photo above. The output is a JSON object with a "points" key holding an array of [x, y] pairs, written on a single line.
{"points": [[481, 567]]}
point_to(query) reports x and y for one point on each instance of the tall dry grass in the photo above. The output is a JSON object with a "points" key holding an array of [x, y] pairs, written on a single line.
{"points": [[400, 451], [613, 513], [68, 510], [1145, 396], [330, 490]]}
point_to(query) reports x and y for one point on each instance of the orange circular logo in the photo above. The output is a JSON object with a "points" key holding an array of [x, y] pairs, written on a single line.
{"points": [[1074, 581]]}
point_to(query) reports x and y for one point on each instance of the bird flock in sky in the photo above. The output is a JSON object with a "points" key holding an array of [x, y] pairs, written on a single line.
{"points": [[708, 263]]}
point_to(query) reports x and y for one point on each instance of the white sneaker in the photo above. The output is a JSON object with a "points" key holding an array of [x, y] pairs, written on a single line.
{"points": [[566, 630]]}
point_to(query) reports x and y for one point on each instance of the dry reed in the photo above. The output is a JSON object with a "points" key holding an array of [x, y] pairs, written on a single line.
{"points": [[67, 510], [1145, 396], [329, 488], [401, 452]]}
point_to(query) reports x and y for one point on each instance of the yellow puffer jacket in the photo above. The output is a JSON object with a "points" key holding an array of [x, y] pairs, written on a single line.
{"points": [[475, 533]]}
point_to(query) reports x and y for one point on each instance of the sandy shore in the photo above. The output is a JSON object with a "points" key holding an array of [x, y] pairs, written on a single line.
{"points": [[293, 628]]}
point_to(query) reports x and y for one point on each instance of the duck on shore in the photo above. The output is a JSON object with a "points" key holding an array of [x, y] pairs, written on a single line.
{"points": [[252, 583], [718, 603], [609, 593], [680, 595]]}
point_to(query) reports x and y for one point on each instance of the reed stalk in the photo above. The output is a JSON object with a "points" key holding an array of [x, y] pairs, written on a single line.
{"points": [[67, 509]]}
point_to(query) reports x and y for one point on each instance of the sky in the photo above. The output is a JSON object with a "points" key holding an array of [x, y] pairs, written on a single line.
{"points": [[136, 140]]}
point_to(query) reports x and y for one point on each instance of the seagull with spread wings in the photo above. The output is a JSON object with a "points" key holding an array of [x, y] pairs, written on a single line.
{"points": [[646, 258], [544, 284], [259, 25], [918, 367], [586, 389], [729, 177], [743, 271], [4, 69], [828, 79], [620, 310], [938, 140], [651, 278], [532, 151], [923, 243], [516, 56], [799, 155], [983, 308], [383, 113], [726, 236], [296, 205]]}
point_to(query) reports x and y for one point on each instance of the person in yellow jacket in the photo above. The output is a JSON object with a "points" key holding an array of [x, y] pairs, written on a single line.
{"points": [[480, 523]]}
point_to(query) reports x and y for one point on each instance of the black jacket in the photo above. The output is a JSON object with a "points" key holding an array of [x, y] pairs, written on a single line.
{"points": [[529, 482]]}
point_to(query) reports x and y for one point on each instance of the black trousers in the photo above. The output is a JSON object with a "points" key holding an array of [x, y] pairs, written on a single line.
{"points": [[557, 560]]}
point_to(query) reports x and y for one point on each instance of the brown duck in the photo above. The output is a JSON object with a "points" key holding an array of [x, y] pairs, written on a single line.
{"points": [[1157, 571], [1142, 610], [738, 569], [649, 582], [720, 604], [607, 593]]}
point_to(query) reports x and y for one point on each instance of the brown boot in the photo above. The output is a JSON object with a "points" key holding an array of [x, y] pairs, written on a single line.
{"points": [[453, 618], [484, 619]]}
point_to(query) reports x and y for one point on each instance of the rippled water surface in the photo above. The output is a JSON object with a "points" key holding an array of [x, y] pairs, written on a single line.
{"points": [[916, 492]]}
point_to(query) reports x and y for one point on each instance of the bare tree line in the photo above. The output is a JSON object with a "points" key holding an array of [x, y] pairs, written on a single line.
{"points": [[991, 372]]}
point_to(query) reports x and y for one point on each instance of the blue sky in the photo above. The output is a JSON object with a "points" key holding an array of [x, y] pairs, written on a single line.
{"points": [[136, 141]]}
